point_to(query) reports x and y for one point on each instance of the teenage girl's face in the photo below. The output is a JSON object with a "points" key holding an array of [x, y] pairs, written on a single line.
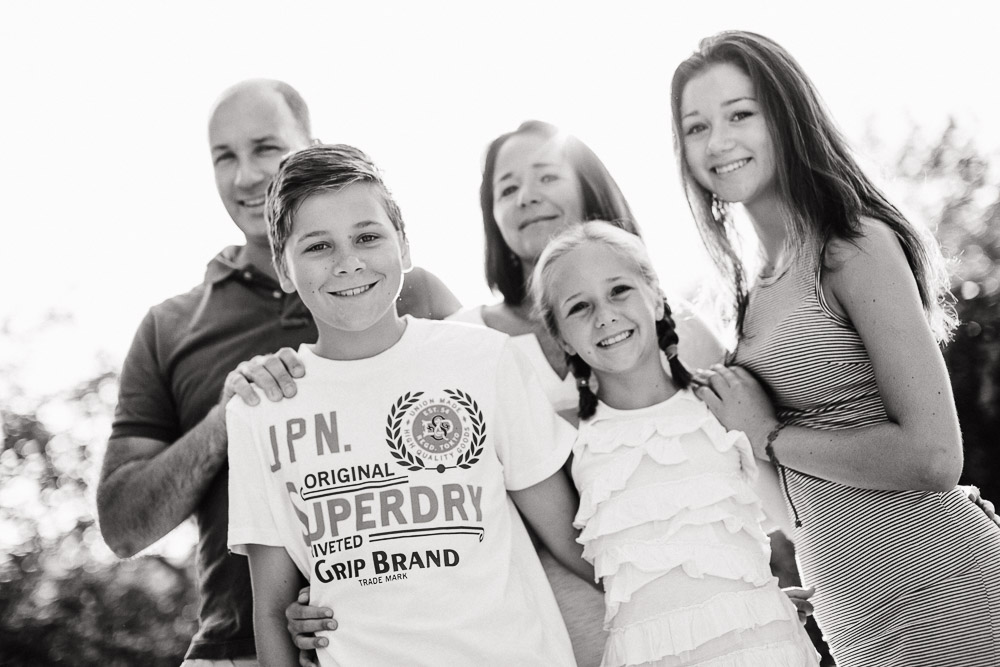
{"points": [[536, 194], [605, 309], [727, 144]]}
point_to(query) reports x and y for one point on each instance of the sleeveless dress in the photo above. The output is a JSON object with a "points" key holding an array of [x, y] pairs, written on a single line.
{"points": [[903, 578], [581, 605]]}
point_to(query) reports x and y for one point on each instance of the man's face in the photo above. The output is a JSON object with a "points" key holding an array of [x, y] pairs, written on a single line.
{"points": [[249, 132]]}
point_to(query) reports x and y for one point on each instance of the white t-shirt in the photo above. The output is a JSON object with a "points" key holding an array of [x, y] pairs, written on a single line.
{"points": [[386, 481]]}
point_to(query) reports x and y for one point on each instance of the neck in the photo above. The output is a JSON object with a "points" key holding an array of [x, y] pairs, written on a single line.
{"points": [[770, 222], [259, 256], [341, 345], [643, 386]]}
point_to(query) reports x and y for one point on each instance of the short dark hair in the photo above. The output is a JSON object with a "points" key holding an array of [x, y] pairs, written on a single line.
{"points": [[320, 168], [602, 200]]}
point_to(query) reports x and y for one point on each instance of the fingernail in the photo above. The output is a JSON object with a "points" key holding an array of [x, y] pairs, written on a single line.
{"points": [[322, 641], [331, 626]]}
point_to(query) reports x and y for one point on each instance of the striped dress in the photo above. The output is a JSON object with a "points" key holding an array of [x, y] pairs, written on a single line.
{"points": [[903, 578]]}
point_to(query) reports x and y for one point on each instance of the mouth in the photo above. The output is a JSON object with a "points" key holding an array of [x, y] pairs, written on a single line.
{"points": [[531, 221], [354, 291], [617, 338], [730, 167], [256, 202]]}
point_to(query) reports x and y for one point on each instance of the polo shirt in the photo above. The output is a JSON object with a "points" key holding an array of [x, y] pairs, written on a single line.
{"points": [[172, 377]]}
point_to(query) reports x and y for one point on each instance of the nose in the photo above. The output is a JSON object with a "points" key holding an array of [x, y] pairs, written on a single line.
{"points": [[603, 316], [248, 174], [527, 194], [347, 263], [720, 139]]}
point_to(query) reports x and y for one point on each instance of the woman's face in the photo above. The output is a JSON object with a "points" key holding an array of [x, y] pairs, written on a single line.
{"points": [[536, 194], [727, 145]]}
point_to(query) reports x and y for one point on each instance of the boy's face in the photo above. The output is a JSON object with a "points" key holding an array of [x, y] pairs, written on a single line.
{"points": [[345, 259]]}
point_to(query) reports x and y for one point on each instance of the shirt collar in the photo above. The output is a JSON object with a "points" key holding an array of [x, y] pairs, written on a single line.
{"points": [[230, 263]]}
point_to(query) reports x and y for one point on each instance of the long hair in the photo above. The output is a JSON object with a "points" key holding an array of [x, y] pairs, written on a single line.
{"points": [[602, 199], [819, 182], [627, 245]]}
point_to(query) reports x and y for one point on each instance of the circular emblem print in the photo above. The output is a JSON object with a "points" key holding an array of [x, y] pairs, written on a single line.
{"points": [[439, 433], [437, 429]]}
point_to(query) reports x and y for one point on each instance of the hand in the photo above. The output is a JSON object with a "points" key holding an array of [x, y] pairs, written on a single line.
{"points": [[800, 598], [303, 622], [975, 495], [738, 401], [273, 373]]}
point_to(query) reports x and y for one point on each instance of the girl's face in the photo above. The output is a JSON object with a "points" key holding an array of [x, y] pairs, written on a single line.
{"points": [[727, 144], [536, 194], [605, 310]]}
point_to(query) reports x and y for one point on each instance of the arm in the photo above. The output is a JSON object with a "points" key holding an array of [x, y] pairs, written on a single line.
{"points": [[920, 446], [698, 346], [148, 487], [424, 295], [275, 580], [549, 507]]}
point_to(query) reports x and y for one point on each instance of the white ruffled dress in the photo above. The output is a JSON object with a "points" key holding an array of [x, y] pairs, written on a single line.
{"points": [[671, 523]]}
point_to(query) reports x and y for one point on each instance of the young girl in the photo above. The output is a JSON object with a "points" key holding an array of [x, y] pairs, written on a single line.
{"points": [[843, 326], [668, 513]]}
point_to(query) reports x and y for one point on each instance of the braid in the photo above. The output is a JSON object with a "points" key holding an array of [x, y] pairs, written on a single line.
{"points": [[588, 399], [666, 333]]}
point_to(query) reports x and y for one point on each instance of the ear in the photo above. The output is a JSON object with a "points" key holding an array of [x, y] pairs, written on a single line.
{"points": [[567, 348], [284, 280], [404, 252], [659, 309]]}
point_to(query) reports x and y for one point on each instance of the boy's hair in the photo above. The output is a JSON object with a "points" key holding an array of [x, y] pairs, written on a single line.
{"points": [[818, 180], [316, 169], [628, 246], [602, 200]]}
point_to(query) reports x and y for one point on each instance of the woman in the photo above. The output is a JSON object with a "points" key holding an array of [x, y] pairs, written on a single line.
{"points": [[537, 181], [843, 326]]}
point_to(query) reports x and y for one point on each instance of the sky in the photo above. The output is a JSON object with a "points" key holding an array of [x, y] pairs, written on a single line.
{"points": [[108, 197]]}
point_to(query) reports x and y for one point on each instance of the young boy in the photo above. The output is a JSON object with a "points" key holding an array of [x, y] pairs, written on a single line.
{"points": [[385, 480]]}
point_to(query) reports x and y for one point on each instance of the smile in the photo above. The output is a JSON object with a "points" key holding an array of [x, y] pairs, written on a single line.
{"points": [[354, 291], [531, 221], [617, 338], [252, 203], [731, 167]]}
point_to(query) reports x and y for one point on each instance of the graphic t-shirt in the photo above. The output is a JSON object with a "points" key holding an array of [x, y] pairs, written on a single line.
{"points": [[386, 481]]}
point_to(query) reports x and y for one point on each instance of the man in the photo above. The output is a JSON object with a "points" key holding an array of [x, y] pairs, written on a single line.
{"points": [[166, 458]]}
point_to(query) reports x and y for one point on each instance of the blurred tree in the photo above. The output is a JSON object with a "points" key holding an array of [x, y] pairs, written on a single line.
{"points": [[64, 598]]}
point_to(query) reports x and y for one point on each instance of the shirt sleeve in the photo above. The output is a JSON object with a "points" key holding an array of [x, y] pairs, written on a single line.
{"points": [[532, 441], [251, 519], [145, 402]]}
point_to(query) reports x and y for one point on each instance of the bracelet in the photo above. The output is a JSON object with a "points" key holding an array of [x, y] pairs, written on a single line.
{"points": [[769, 446]]}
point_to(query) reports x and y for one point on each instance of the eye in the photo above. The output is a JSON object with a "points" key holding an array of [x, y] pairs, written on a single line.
{"points": [[268, 149], [742, 115], [507, 191], [549, 178], [367, 237], [221, 157], [619, 290], [695, 128], [316, 247], [575, 308]]}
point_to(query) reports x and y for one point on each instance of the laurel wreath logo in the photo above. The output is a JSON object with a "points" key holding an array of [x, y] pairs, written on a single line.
{"points": [[394, 424]]}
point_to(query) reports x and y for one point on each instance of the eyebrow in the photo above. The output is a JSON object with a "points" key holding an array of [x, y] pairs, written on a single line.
{"points": [[364, 224], [536, 165], [727, 103], [256, 141]]}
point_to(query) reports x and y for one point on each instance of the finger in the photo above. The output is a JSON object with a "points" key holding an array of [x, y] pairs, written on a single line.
{"points": [[303, 595], [309, 642], [237, 385], [290, 359], [308, 659], [278, 373], [307, 626], [707, 394], [797, 592]]}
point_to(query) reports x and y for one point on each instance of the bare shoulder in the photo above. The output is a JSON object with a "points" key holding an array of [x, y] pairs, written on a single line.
{"points": [[877, 241]]}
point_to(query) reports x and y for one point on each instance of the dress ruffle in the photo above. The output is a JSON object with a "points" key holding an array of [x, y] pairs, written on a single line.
{"points": [[685, 629]]}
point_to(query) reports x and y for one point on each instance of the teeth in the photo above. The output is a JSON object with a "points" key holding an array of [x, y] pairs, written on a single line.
{"points": [[253, 202], [607, 342], [353, 292], [732, 166]]}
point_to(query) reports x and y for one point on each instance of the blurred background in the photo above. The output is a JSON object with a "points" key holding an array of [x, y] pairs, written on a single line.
{"points": [[110, 207]]}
